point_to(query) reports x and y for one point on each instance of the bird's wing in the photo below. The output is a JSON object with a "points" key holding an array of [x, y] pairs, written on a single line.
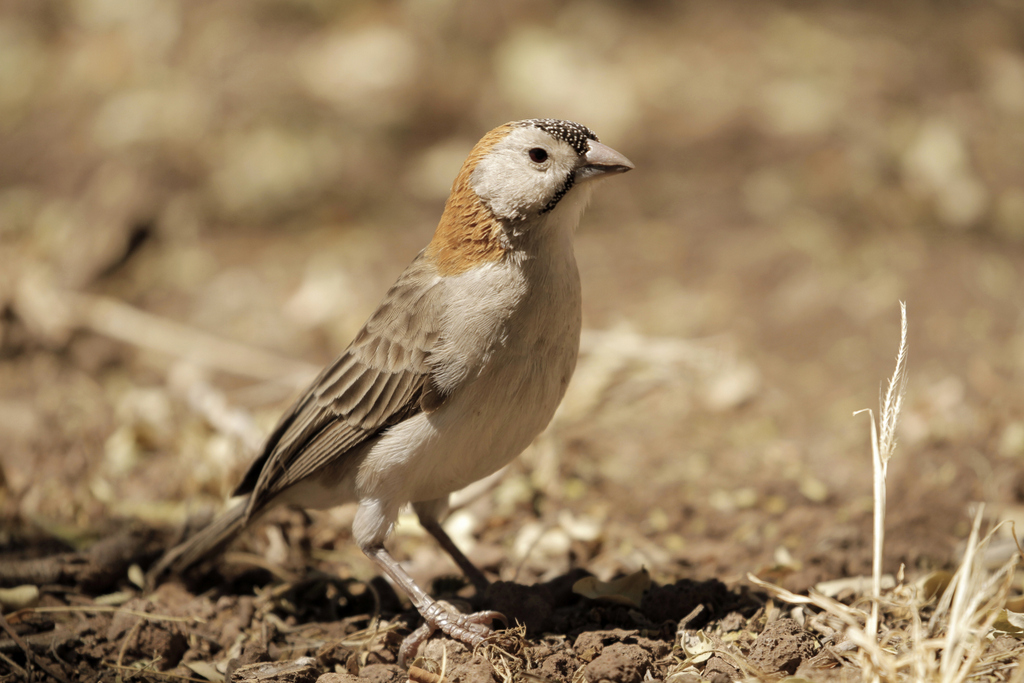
{"points": [[377, 382]]}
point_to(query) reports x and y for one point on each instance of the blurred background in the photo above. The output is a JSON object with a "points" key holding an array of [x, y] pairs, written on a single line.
{"points": [[200, 203]]}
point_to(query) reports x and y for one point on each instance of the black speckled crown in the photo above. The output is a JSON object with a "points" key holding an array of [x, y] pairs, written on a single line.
{"points": [[575, 134]]}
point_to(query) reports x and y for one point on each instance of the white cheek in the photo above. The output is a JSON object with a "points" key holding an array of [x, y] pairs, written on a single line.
{"points": [[512, 187]]}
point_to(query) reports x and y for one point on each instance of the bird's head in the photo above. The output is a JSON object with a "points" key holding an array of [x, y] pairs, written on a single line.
{"points": [[524, 169], [516, 175]]}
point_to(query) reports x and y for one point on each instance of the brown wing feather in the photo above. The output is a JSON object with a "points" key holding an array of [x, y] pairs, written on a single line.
{"points": [[375, 383]]}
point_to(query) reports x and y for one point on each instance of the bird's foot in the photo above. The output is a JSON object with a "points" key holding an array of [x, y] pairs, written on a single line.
{"points": [[471, 629]]}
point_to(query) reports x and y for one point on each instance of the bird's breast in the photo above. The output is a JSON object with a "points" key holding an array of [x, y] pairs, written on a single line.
{"points": [[514, 316], [509, 345]]}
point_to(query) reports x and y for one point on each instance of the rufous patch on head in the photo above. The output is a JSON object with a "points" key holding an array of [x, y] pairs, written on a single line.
{"points": [[468, 235]]}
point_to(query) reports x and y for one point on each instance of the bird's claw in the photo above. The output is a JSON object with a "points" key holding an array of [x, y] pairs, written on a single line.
{"points": [[470, 629]]}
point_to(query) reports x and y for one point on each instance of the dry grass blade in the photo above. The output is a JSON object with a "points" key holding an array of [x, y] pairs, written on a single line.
{"points": [[850, 616]]}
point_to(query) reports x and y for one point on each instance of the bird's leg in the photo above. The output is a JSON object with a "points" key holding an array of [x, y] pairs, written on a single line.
{"points": [[471, 571], [468, 628]]}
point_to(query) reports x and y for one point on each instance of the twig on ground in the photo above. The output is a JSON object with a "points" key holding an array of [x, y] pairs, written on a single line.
{"points": [[154, 672], [29, 654], [118, 610], [204, 399], [694, 613], [125, 323], [132, 632], [14, 666]]}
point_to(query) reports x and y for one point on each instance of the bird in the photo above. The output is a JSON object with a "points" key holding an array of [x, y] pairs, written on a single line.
{"points": [[462, 364]]}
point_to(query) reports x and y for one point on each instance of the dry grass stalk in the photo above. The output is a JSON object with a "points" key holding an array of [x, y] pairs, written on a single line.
{"points": [[883, 443], [974, 603]]}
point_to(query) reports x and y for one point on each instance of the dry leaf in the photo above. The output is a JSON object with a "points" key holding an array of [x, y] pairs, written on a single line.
{"points": [[628, 590], [19, 597], [934, 584], [698, 647], [206, 670], [1011, 623]]}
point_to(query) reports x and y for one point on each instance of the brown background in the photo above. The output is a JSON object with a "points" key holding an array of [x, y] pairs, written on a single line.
{"points": [[261, 171]]}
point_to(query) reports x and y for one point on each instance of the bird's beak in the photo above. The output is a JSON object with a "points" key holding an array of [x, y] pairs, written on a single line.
{"points": [[600, 161]]}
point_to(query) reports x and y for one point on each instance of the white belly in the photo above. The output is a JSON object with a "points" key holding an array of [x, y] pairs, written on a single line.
{"points": [[474, 434]]}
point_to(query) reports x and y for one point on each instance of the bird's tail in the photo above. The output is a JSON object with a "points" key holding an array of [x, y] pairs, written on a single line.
{"points": [[206, 542]]}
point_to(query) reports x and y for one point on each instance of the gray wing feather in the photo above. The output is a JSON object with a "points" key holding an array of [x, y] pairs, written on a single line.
{"points": [[375, 383], [320, 453]]}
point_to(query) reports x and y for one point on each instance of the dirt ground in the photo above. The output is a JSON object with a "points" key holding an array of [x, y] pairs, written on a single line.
{"points": [[200, 203]]}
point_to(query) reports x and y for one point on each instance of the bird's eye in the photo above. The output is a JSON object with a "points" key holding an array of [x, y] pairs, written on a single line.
{"points": [[538, 155]]}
